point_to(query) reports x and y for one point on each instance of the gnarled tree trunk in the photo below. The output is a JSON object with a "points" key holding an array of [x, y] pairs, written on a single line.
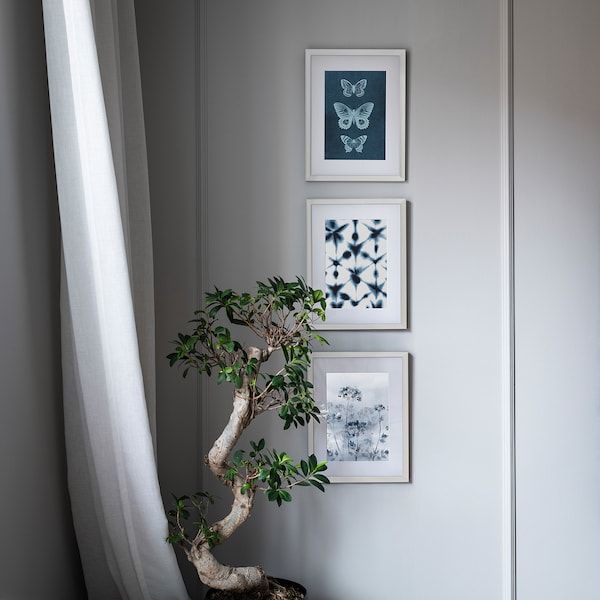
{"points": [[210, 570]]}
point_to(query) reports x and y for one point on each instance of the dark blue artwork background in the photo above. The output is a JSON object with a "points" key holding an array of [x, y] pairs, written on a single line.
{"points": [[374, 147]]}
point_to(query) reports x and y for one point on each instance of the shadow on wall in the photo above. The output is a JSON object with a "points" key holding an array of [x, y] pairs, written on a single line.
{"points": [[32, 453]]}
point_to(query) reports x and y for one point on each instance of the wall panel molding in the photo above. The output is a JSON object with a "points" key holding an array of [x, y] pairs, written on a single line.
{"points": [[201, 214], [508, 301]]}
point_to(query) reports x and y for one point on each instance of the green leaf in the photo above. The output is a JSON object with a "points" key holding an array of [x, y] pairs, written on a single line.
{"points": [[317, 484], [238, 457], [175, 538], [277, 382], [322, 466], [322, 478]]}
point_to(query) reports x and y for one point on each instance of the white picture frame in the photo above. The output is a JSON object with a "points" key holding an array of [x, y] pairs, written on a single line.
{"points": [[393, 311], [353, 463], [385, 159]]}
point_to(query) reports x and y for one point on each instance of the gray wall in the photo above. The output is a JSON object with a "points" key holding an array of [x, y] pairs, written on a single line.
{"points": [[440, 536], [166, 34], [38, 554], [557, 210]]}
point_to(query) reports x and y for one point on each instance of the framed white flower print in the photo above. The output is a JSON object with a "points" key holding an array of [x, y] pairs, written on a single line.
{"points": [[356, 254], [364, 425]]}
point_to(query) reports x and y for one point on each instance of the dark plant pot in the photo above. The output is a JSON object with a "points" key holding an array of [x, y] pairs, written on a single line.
{"points": [[285, 582]]}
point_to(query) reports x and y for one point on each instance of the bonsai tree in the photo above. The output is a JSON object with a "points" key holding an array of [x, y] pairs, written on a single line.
{"points": [[279, 315]]}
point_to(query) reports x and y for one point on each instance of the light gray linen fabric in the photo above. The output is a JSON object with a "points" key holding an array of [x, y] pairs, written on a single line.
{"points": [[107, 300]]}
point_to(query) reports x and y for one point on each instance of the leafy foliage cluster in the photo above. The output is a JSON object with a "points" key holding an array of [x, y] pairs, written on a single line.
{"points": [[280, 315], [186, 508], [275, 473]]}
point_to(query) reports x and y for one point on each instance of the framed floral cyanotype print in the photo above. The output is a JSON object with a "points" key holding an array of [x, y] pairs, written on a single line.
{"points": [[355, 115], [364, 429], [357, 256]]}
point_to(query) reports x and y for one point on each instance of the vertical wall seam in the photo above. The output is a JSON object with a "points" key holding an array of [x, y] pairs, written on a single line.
{"points": [[197, 249], [509, 516], [201, 214], [200, 226]]}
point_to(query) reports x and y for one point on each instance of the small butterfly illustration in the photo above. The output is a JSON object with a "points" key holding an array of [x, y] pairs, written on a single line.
{"points": [[358, 88], [351, 144], [348, 115]]}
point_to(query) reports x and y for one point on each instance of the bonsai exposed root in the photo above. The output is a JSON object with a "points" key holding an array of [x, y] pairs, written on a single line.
{"points": [[222, 577]]}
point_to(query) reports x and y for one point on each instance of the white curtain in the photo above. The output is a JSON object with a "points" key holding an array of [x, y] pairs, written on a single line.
{"points": [[107, 300]]}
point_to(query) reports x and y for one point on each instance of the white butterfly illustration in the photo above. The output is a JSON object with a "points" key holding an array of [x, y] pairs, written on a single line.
{"points": [[357, 88], [353, 144], [348, 115]]}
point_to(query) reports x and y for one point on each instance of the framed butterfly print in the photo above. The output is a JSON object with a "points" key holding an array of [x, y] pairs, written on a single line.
{"points": [[355, 115], [356, 254]]}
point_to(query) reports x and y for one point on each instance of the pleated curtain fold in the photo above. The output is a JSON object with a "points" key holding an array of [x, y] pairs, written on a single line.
{"points": [[107, 305]]}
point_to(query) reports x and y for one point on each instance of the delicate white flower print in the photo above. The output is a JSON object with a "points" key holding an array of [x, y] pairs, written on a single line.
{"points": [[357, 417]]}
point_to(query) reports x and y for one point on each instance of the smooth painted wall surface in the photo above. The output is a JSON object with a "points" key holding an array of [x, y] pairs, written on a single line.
{"points": [[557, 223], [166, 35], [38, 553], [439, 536]]}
